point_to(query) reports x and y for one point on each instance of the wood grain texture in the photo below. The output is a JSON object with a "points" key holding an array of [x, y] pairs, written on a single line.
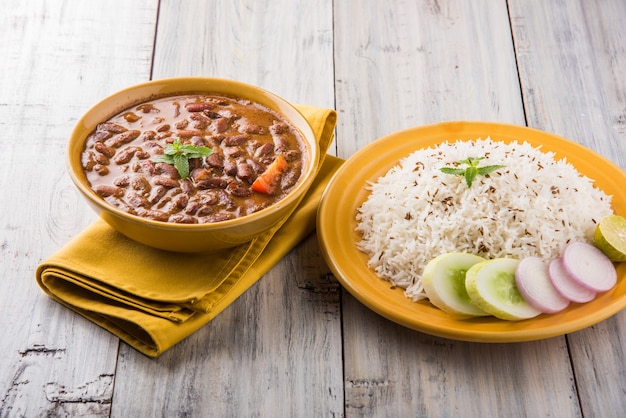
{"points": [[58, 59], [403, 64], [296, 344], [391, 371], [282, 46], [572, 60], [571, 63]]}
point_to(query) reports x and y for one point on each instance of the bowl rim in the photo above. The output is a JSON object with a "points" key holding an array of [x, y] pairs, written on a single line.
{"points": [[81, 131]]}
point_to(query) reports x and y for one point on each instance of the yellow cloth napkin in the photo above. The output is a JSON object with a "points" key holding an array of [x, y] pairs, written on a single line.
{"points": [[151, 298]]}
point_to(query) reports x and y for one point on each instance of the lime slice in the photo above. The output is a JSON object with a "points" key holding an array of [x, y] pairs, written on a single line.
{"points": [[610, 237]]}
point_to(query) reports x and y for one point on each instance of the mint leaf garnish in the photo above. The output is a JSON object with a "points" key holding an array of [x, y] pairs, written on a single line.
{"points": [[178, 155], [472, 171]]}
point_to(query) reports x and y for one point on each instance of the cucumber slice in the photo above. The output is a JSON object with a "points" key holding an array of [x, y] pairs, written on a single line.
{"points": [[491, 285], [444, 283]]}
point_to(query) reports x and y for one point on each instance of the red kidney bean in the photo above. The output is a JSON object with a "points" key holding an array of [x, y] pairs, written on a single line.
{"points": [[141, 154], [137, 201], [167, 169], [156, 215], [157, 193], [204, 211], [101, 159], [235, 140], [186, 186], [226, 200], [125, 155], [154, 147], [198, 141], [181, 124], [100, 136], [209, 199], [111, 127], [200, 174], [264, 149], [291, 155], [230, 168], [165, 134], [215, 160], [212, 115], [245, 172], [122, 181], [220, 125], [147, 167], [180, 200], [192, 207], [148, 136], [88, 161], [233, 151], [106, 191], [165, 200], [266, 160], [165, 182], [280, 143], [252, 128], [239, 190], [212, 183], [131, 117], [147, 108], [200, 121], [103, 149], [258, 168], [288, 180], [218, 217], [103, 170], [141, 184], [163, 128], [123, 138], [181, 218], [199, 107], [279, 128], [188, 133]]}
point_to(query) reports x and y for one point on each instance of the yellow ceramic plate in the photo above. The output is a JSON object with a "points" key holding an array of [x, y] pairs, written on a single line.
{"points": [[346, 191]]}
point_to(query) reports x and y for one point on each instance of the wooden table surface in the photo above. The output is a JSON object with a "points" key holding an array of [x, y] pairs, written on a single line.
{"points": [[296, 343]]}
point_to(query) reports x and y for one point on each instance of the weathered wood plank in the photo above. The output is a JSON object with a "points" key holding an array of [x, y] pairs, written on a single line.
{"points": [[572, 57], [571, 61], [58, 59], [277, 349], [401, 64], [391, 371]]}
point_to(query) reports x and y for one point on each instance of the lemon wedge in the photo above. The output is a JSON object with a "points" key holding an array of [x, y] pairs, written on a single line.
{"points": [[610, 237]]}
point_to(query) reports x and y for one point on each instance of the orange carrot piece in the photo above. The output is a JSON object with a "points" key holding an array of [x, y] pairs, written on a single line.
{"points": [[266, 181]]}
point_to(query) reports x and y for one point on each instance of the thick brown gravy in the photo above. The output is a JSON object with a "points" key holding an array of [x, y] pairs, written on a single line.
{"points": [[245, 139]]}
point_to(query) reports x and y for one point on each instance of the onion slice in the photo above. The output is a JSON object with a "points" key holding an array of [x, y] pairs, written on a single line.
{"points": [[533, 282], [565, 285], [589, 267]]}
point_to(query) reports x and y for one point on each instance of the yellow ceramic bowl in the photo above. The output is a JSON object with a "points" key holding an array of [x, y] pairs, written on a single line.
{"points": [[190, 237]]}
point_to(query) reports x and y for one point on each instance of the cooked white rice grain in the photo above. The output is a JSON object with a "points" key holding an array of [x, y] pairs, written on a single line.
{"points": [[533, 206]]}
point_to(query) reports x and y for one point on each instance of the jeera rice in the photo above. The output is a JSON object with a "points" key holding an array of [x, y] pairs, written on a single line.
{"points": [[534, 205]]}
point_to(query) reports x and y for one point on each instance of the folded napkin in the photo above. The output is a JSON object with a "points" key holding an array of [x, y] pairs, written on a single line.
{"points": [[153, 299]]}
